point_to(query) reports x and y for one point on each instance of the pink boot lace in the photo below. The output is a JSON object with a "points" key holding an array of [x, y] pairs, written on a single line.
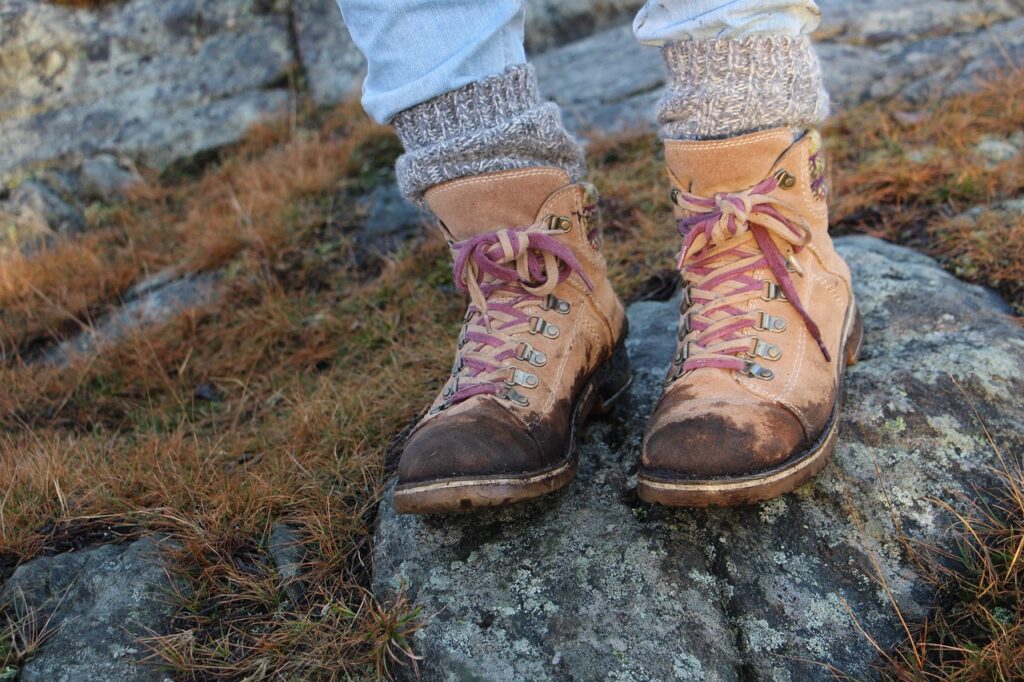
{"points": [[726, 237], [503, 272]]}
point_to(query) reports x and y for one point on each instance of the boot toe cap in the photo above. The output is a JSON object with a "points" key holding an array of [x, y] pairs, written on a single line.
{"points": [[722, 440], [486, 441]]}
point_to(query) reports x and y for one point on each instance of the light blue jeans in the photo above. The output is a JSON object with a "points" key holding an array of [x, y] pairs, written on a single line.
{"points": [[418, 49]]}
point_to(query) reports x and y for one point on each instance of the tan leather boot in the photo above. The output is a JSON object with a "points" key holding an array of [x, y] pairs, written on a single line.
{"points": [[542, 345], [768, 324]]}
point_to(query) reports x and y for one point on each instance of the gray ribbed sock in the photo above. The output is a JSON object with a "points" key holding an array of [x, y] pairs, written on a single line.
{"points": [[495, 124], [724, 87]]}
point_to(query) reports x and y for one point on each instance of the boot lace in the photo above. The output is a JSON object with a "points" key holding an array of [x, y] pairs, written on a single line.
{"points": [[503, 272], [725, 239]]}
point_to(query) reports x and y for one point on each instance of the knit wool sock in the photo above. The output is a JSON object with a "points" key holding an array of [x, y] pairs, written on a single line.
{"points": [[730, 86], [495, 124]]}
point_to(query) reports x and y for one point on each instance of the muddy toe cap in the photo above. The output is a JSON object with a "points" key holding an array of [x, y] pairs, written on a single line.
{"points": [[721, 440], [482, 442]]}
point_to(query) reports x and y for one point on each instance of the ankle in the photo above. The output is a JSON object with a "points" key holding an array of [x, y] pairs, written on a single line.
{"points": [[496, 124], [726, 87]]}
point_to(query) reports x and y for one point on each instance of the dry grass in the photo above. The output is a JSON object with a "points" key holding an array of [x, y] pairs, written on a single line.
{"points": [[316, 362], [977, 631], [318, 353], [909, 176]]}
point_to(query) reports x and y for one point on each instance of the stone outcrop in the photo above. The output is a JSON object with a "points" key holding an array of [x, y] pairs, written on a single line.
{"points": [[151, 302], [93, 606], [592, 584], [157, 79]]}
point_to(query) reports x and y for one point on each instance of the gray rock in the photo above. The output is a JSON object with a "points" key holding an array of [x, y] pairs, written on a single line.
{"points": [[555, 23], [163, 79], [1012, 206], [387, 212], [35, 214], [333, 64], [1009, 210], [104, 178], [954, 64], [924, 69], [877, 22], [996, 151], [153, 301], [100, 601], [606, 81], [287, 553], [592, 584]]}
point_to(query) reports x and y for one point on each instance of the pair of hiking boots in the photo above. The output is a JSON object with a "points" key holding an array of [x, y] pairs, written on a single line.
{"points": [[767, 325]]}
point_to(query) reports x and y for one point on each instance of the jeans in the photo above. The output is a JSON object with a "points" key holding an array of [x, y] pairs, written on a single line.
{"points": [[418, 49]]}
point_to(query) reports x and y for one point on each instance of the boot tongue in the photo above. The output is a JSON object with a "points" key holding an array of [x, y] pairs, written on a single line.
{"points": [[706, 167], [494, 201]]}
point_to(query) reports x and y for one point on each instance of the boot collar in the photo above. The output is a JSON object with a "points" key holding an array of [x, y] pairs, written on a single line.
{"points": [[485, 203], [706, 167]]}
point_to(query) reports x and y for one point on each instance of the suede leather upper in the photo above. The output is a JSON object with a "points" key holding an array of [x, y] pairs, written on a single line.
{"points": [[714, 422], [486, 435]]}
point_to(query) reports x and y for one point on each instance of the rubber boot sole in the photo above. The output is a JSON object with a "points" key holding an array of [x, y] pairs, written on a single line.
{"points": [[604, 388], [769, 483]]}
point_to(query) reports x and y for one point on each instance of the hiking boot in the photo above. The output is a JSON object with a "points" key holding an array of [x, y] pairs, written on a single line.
{"points": [[768, 325], [541, 348]]}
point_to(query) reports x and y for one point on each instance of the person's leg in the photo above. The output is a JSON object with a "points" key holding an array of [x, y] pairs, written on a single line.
{"points": [[542, 341], [452, 78], [750, 404], [735, 67]]}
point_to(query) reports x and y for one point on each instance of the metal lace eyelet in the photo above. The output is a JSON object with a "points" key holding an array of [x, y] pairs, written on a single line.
{"points": [[551, 302], [773, 292], [768, 351], [516, 397], [685, 326], [560, 223], [457, 367], [758, 372], [439, 408], [683, 355], [517, 377], [687, 299], [540, 326], [463, 337], [450, 388], [674, 196], [770, 323], [792, 268], [525, 351], [675, 373], [786, 179]]}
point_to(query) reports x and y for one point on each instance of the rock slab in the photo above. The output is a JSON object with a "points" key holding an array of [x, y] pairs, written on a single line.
{"points": [[101, 600], [592, 584], [153, 301], [156, 79]]}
